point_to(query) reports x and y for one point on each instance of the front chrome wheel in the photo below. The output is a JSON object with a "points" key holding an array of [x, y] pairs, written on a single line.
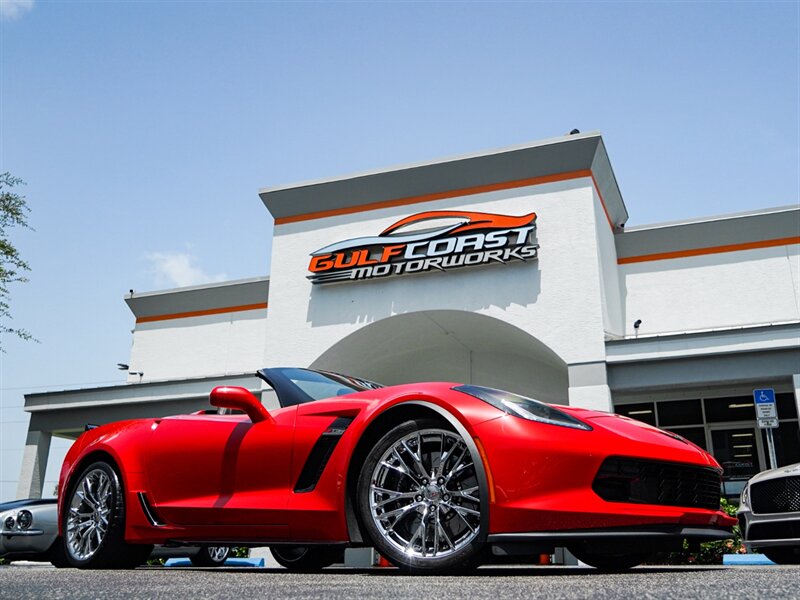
{"points": [[424, 496], [89, 514]]}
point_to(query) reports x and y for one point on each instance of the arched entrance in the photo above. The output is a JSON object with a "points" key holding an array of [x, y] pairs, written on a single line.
{"points": [[450, 345]]}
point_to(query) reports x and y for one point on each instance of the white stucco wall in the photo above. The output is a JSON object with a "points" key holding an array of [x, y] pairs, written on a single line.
{"points": [[716, 290], [199, 346], [610, 284], [556, 299]]}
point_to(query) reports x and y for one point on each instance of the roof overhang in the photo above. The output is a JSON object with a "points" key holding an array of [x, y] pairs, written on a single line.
{"points": [[555, 159]]}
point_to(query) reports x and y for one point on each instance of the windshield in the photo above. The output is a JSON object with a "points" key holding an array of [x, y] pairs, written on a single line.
{"points": [[298, 386]]}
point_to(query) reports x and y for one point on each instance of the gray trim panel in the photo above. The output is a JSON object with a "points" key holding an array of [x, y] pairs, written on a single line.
{"points": [[698, 371], [199, 298], [724, 231], [560, 155]]}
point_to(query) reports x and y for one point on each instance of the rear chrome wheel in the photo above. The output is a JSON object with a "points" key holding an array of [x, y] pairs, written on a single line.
{"points": [[306, 559], [420, 498], [88, 514], [211, 556], [93, 522]]}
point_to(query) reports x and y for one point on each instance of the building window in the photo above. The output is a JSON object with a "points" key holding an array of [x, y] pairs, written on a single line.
{"points": [[787, 407], [680, 412], [732, 408]]}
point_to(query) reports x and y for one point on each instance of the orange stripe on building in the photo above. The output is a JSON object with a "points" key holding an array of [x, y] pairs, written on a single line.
{"points": [[202, 313], [709, 250], [480, 189]]}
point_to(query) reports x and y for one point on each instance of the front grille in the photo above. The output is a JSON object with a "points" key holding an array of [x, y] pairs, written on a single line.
{"points": [[656, 482], [781, 530], [776, 495]]}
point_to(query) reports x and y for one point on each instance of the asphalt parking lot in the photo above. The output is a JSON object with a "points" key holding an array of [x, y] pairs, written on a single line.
{"points": [[39, 581]]}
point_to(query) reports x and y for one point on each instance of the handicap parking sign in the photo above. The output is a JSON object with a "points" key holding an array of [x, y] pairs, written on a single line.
{"points": [[765, 404]]}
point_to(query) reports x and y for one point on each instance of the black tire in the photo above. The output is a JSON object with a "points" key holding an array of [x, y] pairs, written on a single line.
{"points": [[434, 504], [783, 555], [306, 559], [112, 551], [211, 556], [57, 555], [609, 561]]}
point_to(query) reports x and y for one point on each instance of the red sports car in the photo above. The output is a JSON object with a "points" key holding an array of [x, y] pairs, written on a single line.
{"points": [[436, 476]]}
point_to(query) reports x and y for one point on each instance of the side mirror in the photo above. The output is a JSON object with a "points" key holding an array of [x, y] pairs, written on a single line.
{"points": [[238, 398]]}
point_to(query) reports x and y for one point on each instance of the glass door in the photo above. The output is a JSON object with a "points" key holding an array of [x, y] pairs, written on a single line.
{"points": [[738, 450]]}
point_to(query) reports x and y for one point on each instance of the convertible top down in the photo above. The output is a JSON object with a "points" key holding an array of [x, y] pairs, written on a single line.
{"points": [[436, 476]]}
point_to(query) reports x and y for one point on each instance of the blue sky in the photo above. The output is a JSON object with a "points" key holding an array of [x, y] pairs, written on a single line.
{"points": [[145, 129]]}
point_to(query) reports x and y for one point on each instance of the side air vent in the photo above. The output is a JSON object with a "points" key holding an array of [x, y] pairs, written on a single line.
{"points": [[149, 511], [320, 454]]}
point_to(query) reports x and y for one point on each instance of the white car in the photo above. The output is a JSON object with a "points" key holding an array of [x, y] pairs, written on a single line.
{"points": [[769, 514], [29, 531]]}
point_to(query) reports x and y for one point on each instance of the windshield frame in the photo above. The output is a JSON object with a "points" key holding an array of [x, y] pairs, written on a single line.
{"points": [[290, 394]]}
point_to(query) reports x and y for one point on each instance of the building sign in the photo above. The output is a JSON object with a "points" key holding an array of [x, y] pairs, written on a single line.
{"points": [[434, 240]]}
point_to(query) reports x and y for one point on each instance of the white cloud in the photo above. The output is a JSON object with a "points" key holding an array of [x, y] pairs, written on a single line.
{"points": [[179, 269], [14, 9]]}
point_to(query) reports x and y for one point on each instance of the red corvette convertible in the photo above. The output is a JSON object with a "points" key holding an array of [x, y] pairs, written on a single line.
{"points": [[436, 476]]}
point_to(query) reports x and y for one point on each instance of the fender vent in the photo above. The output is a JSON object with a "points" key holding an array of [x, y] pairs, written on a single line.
{"points": [[149, 511], [320, 455]]}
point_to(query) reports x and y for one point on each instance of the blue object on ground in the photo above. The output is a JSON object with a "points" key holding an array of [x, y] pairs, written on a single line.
{"points": [[745, 559], [231, 562]]}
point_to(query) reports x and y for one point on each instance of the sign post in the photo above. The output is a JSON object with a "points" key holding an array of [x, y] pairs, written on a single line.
{"points": [[767, 415]]}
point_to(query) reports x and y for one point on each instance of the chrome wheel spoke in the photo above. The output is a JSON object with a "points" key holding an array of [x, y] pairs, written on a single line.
{"points": [[446, 537], [436, 527], [85, 499], [402, 470], [457, 463], [457, 510], [404, 465], [395, 498], [398, 511], [466, 493], [418, 466]]}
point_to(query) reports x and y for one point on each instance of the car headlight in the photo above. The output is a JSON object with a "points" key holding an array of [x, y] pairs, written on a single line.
{"points": [[9, 522], [525, 408], [24, 519], [745, 494]]}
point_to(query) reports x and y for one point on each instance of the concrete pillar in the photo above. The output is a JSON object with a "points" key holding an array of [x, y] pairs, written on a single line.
{"points": [[34, 464], [796, 382], [588, 386]]}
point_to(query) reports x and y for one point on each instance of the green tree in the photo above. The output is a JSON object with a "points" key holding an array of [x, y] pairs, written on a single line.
{"points": [[13, 213]]}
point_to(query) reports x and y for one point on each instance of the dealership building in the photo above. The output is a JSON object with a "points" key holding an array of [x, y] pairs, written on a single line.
{"points": [[511, 269]]}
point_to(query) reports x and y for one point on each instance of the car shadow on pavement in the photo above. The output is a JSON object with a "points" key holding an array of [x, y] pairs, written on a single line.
{"points": [[486, 572]]}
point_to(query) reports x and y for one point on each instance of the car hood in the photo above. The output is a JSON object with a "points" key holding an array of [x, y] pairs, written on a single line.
{"points": [[787, 471], [674, 447]]}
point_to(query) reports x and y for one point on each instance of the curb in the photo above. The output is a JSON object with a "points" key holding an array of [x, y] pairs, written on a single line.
{"points": [[746, 559], [231, 562]]}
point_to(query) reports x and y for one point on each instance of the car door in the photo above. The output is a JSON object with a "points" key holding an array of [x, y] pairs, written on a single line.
{"points": [[210, 469]]}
